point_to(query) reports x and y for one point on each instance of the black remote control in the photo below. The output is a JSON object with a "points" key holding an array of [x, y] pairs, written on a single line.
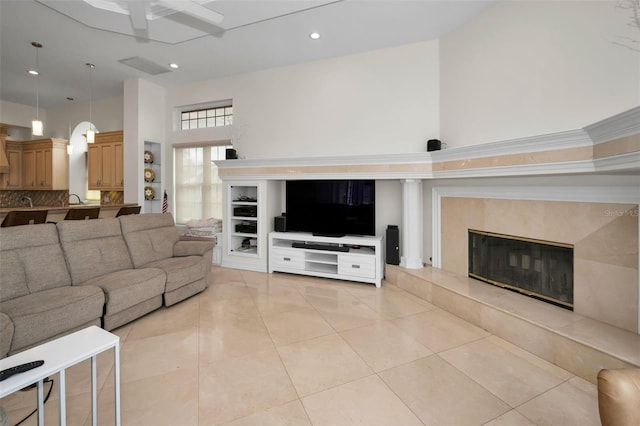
{"points": [[8, 372]]}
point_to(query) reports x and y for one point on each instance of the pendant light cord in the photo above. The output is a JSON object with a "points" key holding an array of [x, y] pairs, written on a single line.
{"points": [[91, 66], [37, 70], [70, 99], [37, 85]]}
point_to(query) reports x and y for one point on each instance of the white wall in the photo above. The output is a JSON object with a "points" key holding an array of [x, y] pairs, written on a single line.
{"points": [[144, 120], [388, 205], [107, 115], [78, 182], [525, 68], [384, 101], [18, 114]]}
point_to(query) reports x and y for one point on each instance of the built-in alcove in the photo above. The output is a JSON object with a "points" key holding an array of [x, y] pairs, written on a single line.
{"points": [[541, 269]]}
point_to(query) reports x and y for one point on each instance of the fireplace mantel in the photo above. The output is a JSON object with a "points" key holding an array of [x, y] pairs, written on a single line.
{"points": [[610, 145]]}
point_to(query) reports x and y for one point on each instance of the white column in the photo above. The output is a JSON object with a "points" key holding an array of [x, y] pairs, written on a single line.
{"points": [[411, 224]]}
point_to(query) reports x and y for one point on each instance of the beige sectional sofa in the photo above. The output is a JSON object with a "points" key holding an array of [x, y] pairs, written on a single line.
{"points": [[55, 279]]}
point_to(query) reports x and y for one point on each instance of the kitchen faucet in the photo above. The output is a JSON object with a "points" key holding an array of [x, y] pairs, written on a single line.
{"points": [[26, 198], [76, 195]]}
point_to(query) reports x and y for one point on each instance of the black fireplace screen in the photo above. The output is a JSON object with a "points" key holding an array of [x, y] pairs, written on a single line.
{"points": [[540, 269]]}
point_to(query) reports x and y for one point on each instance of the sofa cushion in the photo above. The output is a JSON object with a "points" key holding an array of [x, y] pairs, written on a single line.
{"points": [[14, 277], [124, 289], [181, 270], [93, 248], [31, 260], [6, 334], [38, 316], [149, 237]]}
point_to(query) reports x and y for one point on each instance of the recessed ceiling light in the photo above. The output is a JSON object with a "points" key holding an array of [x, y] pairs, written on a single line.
{"points": [[33, 72], [314, 36], [174, 66]]}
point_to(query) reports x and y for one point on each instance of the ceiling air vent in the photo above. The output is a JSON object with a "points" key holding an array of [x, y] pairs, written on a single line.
{"points": [[144, 65]]}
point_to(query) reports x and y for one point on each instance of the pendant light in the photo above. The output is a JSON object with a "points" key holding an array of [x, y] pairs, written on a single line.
{"points": [[37, 128], [91, 133], [69, 146]]}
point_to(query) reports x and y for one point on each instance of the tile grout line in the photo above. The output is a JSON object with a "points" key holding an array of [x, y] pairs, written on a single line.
{"points": [[284, 367]]}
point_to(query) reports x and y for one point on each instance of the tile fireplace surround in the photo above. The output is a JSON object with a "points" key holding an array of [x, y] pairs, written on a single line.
{"points": [[604, 236], [601, 222]]}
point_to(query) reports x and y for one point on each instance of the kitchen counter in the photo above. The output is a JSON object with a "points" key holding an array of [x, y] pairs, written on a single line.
{"points": [[56, 214]]}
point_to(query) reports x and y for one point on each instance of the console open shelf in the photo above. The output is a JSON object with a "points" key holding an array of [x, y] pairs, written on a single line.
{"points": [[346, 258], [243, 210]]}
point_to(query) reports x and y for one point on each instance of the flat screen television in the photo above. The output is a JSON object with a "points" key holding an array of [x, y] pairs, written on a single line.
{"points": [[331, 207]]}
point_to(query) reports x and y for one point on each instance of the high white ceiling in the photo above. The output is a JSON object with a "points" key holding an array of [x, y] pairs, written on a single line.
{"points": [[253, 35]]}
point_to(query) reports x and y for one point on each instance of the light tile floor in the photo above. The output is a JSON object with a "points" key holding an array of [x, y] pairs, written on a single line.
{"points": [[260, 349]]}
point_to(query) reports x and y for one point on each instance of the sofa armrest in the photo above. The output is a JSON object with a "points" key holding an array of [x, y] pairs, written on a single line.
{"points": [[618, 396], [192, 248]]}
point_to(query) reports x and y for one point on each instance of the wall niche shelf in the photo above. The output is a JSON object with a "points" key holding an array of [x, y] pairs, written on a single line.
{"points": [[152, 190]]}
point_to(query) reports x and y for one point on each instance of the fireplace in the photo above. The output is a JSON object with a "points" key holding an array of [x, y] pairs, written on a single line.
{"points": [[540, 269]]}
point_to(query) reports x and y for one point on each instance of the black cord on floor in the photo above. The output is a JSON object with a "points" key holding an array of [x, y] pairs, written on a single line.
{"points": [[45, 401]]}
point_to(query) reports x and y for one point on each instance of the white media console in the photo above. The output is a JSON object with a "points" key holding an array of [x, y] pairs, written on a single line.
{"points": [[344, 258]]}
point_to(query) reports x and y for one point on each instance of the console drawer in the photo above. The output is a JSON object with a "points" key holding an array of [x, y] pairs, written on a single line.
{"points": [[357, 265], [285, 258]]}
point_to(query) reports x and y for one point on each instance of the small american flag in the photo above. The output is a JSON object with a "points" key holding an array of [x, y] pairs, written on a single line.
{"points": [[165, 203]]}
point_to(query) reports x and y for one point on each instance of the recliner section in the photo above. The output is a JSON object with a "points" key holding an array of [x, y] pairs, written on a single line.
{"points": [[154, 243], [98, 256]]}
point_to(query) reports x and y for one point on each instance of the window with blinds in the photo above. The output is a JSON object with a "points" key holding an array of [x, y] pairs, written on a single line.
{"points": [[198, 189]]}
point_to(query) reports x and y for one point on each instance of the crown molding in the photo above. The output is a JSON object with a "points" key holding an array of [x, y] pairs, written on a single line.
{"points": [[618, 126], [549, 142]]}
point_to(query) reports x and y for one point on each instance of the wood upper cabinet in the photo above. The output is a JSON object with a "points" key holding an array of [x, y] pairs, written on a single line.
{"points": [[29, 179], [118, 165], [105, 162], [13, 179], [45, 164]]}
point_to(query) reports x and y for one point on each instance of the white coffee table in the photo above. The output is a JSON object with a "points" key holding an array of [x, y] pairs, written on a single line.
{"points": [[58, 355]]}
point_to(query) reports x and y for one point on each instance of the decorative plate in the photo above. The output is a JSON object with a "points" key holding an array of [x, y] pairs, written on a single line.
{"points": [[149, 175], [149, 193], [148, 157]]}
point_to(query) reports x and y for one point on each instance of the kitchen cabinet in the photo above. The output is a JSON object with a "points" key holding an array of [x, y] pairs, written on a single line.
{"points": [[45, 164], [13, 178], [105, 162]]}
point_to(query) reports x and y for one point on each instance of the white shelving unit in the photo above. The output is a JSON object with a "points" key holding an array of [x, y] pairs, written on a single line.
{"points": [[250, 207], [153, 205], [345, 258]]}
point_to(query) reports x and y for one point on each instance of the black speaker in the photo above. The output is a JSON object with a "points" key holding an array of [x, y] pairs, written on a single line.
{"points": [[393, 245], [434, 145], [230, 154], [280, 223]]}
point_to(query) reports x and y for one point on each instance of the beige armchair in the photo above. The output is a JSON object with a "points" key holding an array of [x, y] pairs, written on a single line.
{"points": [[619, 396]]}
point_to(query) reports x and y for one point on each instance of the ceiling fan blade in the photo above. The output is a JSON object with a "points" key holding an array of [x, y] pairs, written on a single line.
{"points": [[138, 14], [193, 9]]}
